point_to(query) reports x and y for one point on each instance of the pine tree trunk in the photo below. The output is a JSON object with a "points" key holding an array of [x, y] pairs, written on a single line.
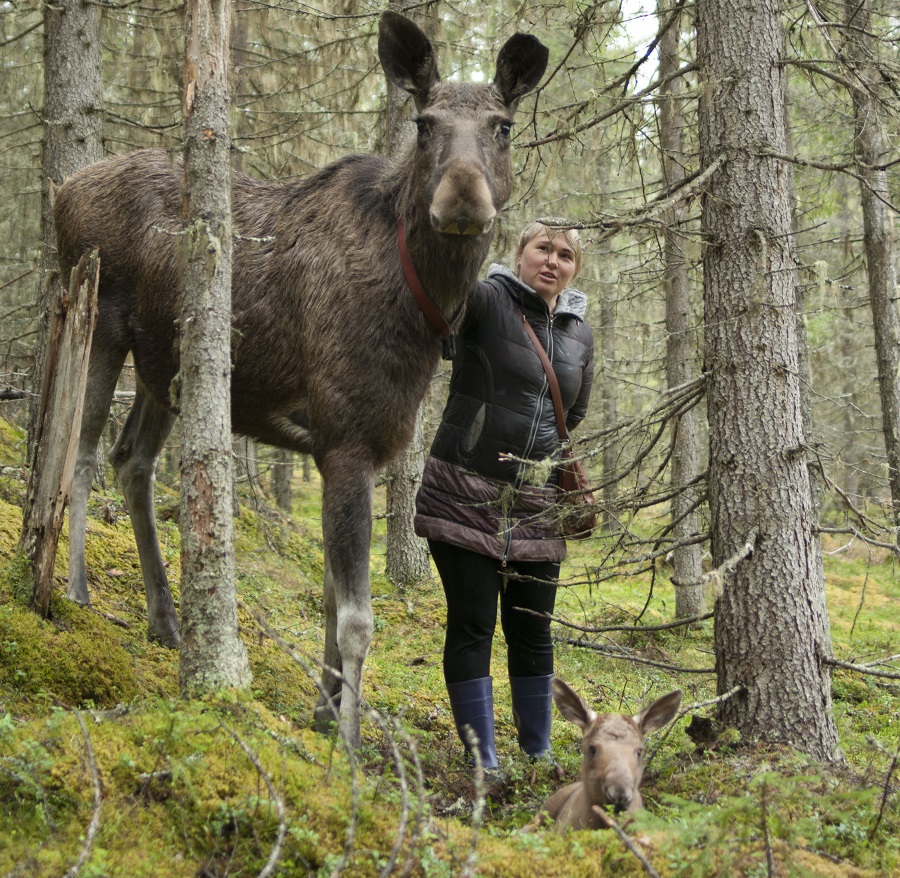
{"points": [[282, 472], [877, 232], [73, 128], [689, 597], [212, 654], [771, 623]]}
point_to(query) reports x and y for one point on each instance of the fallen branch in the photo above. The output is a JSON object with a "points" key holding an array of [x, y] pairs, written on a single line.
{"points": [[610, 823], [632, 629], [94, 825], [885, 794], [275, 855]]}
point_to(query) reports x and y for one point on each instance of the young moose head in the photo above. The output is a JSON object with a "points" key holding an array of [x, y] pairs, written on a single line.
{"points": [[462, 162], [612, 747]]}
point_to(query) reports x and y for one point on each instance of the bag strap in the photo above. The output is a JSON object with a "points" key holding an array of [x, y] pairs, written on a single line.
{"points": [[551, 379]]}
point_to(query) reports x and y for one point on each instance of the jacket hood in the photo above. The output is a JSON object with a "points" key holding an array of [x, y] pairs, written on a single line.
{"points": [[571, 301]]}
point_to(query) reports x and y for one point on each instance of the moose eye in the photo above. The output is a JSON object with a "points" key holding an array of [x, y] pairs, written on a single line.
{"points": [[504, 129], [423, 128], [640, 753], [592, 750]]}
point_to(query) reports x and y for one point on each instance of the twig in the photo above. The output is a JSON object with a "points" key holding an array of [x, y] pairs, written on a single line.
{"points": [[480, 800], [634, 629], [609, 821], [737, 690], [716, 577], [587, 644], [771, 867], [884, 795], [94, 825], [861, 669], [273, 795]]}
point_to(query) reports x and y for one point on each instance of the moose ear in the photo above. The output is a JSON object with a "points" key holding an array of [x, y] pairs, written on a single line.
{"points": [[571, 706], [656, 715], [520, 66], [407, 56]]}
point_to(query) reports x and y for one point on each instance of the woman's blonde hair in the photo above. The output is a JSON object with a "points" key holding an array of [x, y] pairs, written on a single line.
{"points": [[551, 227]]}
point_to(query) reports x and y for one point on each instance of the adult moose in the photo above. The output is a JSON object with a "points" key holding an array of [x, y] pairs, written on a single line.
{"points": [[331, 353]]}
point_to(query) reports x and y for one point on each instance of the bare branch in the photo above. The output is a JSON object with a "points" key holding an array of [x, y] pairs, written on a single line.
{"points": [[94, 825], [611, 652], [862, 669], [715, 578], [609, 821]]}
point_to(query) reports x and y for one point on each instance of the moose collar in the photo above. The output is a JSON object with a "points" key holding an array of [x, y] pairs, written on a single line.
{"points": [[426, 306]]}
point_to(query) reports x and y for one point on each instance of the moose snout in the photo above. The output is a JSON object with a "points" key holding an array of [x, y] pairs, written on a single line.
{"points": [[619, 796], [463, 203]]}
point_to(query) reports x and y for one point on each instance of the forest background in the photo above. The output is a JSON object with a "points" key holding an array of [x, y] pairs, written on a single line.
{"points": [[610, 144]]}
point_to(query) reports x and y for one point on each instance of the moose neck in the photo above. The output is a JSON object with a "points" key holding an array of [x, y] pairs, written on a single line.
{"points": [[447, 265]]}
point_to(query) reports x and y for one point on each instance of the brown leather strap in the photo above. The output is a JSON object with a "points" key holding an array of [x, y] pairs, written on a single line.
{"points": [[426, 306], [551, 380]]}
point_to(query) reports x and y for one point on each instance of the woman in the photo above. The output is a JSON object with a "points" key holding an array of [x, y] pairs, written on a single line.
{"points": [[483, 506]]}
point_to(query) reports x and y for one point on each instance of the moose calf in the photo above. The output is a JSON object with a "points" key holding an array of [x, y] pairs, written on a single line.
{"points": [[612, 747]]}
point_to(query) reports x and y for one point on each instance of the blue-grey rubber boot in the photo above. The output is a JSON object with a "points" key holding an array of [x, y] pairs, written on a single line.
{"points": [[472, 702], [532, 701]]}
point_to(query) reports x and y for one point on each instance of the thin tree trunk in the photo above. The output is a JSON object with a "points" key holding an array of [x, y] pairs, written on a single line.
{"points": [[282, 472], [771, 623], [73, 127], [878, 232], [686, 561], [212, 654]]}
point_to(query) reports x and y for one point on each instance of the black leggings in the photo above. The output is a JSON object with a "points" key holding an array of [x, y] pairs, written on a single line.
{"points": [[472, 584]]}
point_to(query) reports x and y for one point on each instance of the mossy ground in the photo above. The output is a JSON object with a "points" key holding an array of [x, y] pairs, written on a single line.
{"points": [[193, 788]]}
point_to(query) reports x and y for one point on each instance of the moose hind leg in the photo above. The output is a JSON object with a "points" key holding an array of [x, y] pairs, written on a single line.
{"points": [[103, 372], [347, 530], [134, 459]]}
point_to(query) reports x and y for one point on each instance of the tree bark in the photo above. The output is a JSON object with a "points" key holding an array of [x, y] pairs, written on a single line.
{"points": [[878, 231], [212, 654], [73, 127], [282, 471], [686, 561], [71, 328], [771, 623]]}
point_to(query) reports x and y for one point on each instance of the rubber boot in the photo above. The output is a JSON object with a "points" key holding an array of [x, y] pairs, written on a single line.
{"points": [[472, 702], [532, 700]]}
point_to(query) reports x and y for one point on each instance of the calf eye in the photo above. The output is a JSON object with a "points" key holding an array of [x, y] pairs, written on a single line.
{"points": [[503, 130], [640, 753], [423, 128], [592, 750]]}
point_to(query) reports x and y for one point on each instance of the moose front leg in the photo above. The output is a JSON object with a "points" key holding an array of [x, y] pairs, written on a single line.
{"points": [[347, 531]]}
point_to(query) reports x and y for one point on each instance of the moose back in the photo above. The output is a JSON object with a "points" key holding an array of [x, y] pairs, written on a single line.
{"points": [[331, 354]]}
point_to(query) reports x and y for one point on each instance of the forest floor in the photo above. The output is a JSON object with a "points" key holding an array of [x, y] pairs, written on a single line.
{"points": [[106, 771]]}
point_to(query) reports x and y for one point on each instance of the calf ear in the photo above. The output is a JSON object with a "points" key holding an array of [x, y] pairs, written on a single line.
{"points": [[520, 66], [656, 715], [571, 706], [407, 56]]}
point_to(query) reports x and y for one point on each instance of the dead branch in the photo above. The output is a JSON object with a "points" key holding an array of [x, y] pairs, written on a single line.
{"points": [[715, 578], [862, 669], [605, 629], [275, 798], [94, 825], [884, 796], [624, 656], [609, 821]]}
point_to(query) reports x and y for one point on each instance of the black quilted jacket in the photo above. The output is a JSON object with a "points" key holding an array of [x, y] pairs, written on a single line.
{"points": [[478, 490]]}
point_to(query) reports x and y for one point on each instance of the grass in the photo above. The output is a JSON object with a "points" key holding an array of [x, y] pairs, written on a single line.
{"points": [[196, 788]]}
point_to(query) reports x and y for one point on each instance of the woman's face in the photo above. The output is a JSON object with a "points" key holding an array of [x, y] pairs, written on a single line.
{"points": [[547, 265]]}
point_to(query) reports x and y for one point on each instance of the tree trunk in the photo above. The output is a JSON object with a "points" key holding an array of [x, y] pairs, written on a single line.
{"points": [[878, 233], [71, 328], [73, 128], [212, 654], [771, 623], [407, 558], [282, 472], [686, 561]]}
